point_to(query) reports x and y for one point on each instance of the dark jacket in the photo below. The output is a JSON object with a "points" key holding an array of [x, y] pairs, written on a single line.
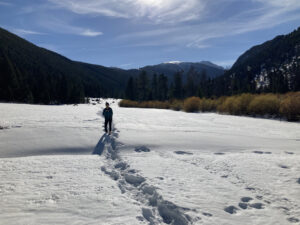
{"points": [[107, 113]]}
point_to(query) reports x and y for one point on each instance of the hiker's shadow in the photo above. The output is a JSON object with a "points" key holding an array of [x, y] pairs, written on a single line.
{"points": [[98, 150]]}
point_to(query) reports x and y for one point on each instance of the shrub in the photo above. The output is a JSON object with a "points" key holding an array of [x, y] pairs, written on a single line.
{"points": [[265, 104], [127, 103], [290, 106], [146, 104], [236, 105], [191, 104], [243, 102], [208, 105], [228, 106], [287, 105], [176, 105], [153, 104]]}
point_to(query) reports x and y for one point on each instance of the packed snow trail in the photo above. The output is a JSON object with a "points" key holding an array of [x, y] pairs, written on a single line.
{"points": [[159, 166], [155, 209]]}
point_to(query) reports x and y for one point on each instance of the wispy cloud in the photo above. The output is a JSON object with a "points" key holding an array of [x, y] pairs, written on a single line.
{"points": [[126, 66], [158, 11], [90, 33], [59, 26], [23, 32], [6, 3], [265, 14]]}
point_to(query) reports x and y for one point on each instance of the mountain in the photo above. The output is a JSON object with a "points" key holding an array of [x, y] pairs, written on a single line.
{"points": [[170, 68], [29, 73], [273, 66], [32, 74]]}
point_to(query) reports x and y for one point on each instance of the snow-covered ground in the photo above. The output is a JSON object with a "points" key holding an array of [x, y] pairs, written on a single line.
{"points": [[159, 166]]}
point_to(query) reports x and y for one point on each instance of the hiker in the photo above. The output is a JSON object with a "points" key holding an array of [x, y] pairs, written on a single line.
{"points": [[107, 113]]}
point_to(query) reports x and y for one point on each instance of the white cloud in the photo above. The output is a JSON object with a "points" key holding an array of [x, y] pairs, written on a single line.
{"points": [[23, 32], [59, 26], [90, 33], [158, 11], [126, 65], [265, 14], [190, 23]]}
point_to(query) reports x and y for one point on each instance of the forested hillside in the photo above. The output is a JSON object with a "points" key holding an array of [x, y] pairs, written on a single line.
{"points": [[35, 75], [273, 66]]}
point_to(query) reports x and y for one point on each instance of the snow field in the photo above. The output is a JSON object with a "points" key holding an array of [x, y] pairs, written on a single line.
{"points": [[159, 166]]}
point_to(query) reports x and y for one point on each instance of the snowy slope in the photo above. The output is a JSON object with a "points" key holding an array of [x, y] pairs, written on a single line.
{"points": [[159, 166]]}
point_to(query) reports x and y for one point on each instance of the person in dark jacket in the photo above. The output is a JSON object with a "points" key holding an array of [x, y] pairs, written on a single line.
{"points": [[108, 114]]}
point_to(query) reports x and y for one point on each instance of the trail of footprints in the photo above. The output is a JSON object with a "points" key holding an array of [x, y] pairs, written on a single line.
{"points": [[247, 203], [155, 210]]}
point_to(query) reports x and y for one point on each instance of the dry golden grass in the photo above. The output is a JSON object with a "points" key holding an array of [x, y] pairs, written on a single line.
{"points": [[176, 105], [208, 105], [286, 106], [236, 105], [146, 104], [264, 104], [191, 104], [128, 103], [290, 106]]}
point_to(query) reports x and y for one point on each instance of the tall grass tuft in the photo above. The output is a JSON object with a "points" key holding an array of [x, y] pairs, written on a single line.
{"points": [[290, 106], [191, 104], [272, 105], [264, 104]]}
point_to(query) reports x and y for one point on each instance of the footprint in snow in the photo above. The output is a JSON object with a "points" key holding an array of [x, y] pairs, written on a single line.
{"points": [[259, 197], [183, 153], [250, 188], [293, 220], [219, 153], [134, 180], [261, 152], [207, 214], [246, 199], [290, 153], [231, 209], [243, 205], [257, 205], [258, 152], [283, 166], [142, 149]]}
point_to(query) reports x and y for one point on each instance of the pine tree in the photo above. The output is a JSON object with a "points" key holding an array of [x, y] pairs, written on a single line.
{"points": [[129, 92], [177, 86], [142, 86], [162, 87], [154, 87]]}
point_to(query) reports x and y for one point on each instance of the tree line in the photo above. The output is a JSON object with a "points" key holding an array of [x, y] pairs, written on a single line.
{"points": [[146, 87]]}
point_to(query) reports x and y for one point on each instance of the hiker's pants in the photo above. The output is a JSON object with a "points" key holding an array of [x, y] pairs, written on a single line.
{"points": [[109, 121]]}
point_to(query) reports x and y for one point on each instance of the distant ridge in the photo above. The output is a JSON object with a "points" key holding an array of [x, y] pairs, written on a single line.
{"points": [[170, 68]]}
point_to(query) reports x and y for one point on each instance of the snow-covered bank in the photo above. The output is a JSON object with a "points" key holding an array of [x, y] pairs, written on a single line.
{"points": [[209, 162], [61, 190], [159, 166], [44, 130]]}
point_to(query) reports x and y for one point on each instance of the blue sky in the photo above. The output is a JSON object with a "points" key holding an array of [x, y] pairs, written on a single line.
{"points": [[135, 33]]}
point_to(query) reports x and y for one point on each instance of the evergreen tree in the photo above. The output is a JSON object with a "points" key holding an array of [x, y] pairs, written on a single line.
{"points": [[154, 87], [190, 87], [178, 86], [162, 87], [129, 91], [142, 86]]}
